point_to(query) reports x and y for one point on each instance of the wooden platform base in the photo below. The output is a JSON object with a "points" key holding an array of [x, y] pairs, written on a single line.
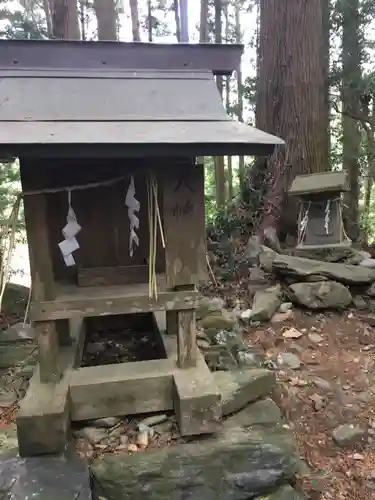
{"points": [[116, 390]]}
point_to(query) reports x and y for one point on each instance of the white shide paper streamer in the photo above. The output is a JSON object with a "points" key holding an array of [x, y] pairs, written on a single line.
{"points": [[133, 206], [70, 231]]}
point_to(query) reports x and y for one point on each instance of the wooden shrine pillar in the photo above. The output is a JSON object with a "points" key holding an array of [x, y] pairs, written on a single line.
{"points": [[185, 252], [42, 278]]}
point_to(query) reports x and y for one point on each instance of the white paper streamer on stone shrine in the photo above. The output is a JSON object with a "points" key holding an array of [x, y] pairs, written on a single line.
{"points": [[70, 231], [133, 206]]}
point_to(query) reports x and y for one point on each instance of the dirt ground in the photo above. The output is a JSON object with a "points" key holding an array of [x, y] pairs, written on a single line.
{"points": [[334, 385]]}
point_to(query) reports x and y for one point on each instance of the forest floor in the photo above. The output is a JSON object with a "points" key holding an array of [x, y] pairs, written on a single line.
{"points": [[334, 385]]}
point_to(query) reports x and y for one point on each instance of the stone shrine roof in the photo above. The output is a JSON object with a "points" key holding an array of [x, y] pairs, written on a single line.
{"points": [[319, 183]]}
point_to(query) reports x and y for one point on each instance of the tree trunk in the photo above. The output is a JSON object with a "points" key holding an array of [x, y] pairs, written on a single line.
{"points": [[370, 174], [176, 9], [219, 160], [227, 104], [290, 100], [241, 159], [326, 129], [149, 20], [203, 28], [184, 21], [135, 20], [64, 16], [107, 19], [351, 76]]}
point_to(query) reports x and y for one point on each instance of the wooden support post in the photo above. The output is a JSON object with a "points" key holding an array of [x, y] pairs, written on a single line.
{"points": [[43, 418], [43, 286], [184, 226], [48, 344], [186, 339]]}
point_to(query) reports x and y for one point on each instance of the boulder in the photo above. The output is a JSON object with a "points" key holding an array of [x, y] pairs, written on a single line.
{"points": [[235, 464], [241, 387], [265, 304], [321, 295], [44, 478], [252, 250], [286, 265]]}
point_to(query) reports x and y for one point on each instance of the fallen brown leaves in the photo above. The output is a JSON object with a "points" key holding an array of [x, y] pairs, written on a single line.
{"points": [[335, 385]]}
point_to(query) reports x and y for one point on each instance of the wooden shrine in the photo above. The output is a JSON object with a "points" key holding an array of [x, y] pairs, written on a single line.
{"points": [[320, 222], [108, 136]]}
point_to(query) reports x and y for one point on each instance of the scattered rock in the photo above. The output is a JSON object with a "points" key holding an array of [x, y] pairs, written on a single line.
{"points": [[245, 315], [17, 333], [208, 305], [252, 250], [239, 388], [258, 277], [266, 258], [217, 321], [292, 333], [132, 448], [203, 343], [280, 317], [321, 295], [370, 263], [289, 359], [261, 412], [155, 420], [105, 423], [266, 303], [142, 438], [318, 402], [285, 307], [271, 239], [349, 434], [359, 302], [286, 265], [93, 434], [315, 337], [370, 319], [13, 354]]}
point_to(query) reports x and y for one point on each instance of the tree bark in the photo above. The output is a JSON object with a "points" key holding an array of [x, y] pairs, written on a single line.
{"points": [[149, 20], [177, 21], [133, 4], [219, 160], [351, 77], [203, 28], [326, 129], [64, 16], [241, 159], [107, 19], [290, 100]]}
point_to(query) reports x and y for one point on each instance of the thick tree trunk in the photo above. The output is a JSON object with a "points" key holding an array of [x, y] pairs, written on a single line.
{"points": [[107, 19], [133, 4], [351, 76], [177, 21], [219, 160], [64, 16], [290, 101], [203, 28], [326, 130], [149, 20], [241, 159]]}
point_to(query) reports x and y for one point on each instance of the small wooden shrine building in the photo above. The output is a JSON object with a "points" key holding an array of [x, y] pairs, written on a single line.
{"points": [[320, 221], [108, 135]]}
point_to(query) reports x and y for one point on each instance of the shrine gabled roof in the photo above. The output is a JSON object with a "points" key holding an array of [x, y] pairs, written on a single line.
{"points": [[321, 182], [178, 110]]}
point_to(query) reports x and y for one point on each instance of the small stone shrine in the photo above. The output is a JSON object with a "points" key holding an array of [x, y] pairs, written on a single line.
{"points": [[320, 222]]}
